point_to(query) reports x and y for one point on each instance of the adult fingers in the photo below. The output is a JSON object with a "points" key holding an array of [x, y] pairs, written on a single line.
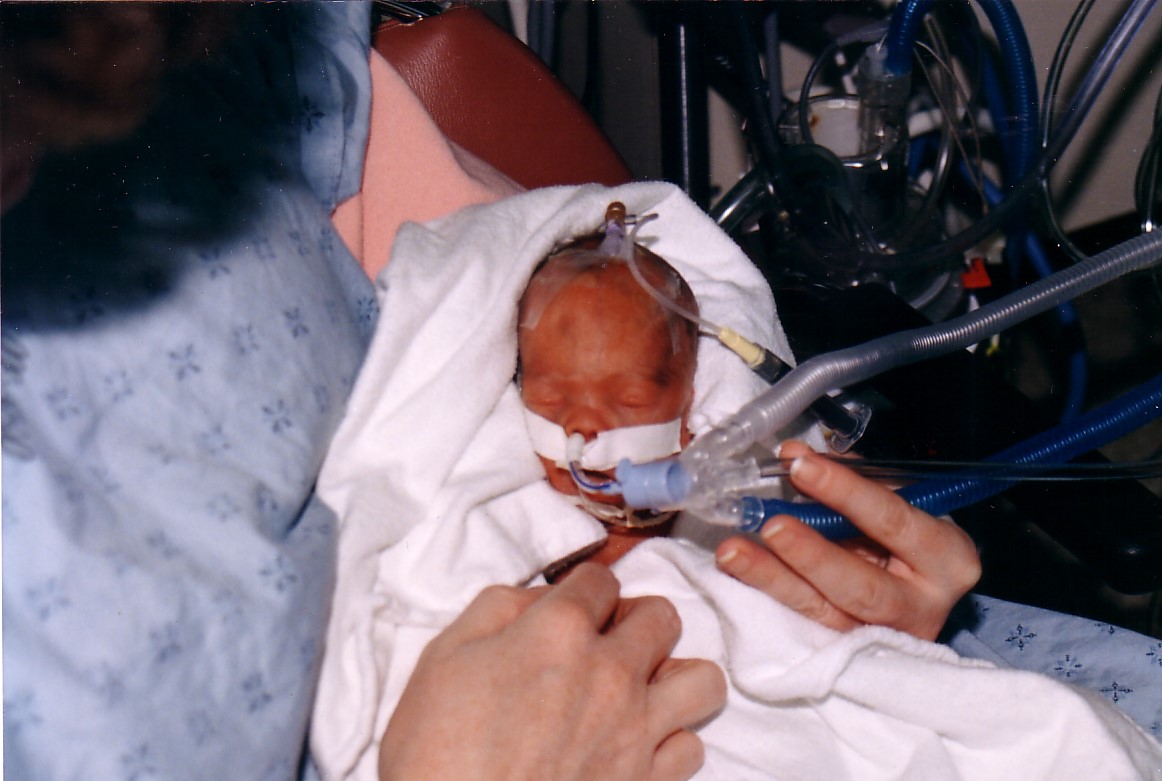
{"points": [[590, 590], [683, 692], [863, 590], [643, 632], [930, 563], [588, 595], [912, 536], [493, 610], [760, 569], [678, 758]]}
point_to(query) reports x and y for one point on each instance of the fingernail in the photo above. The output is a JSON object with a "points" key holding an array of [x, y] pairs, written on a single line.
{"points": [[771, 529], [805, 469], [727, 556]]}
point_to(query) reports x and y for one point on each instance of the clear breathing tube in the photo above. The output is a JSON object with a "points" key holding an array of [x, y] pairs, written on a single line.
{"points": [[709, 476], [955, 491], [620, 243]]}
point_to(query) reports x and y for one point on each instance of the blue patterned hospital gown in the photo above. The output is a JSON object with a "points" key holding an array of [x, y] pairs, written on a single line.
{"points": [[181, 327], [1124, 666]]}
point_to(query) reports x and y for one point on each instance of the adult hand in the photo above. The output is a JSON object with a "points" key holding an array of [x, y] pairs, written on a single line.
{"points": [[907, 573], [566, 683]]}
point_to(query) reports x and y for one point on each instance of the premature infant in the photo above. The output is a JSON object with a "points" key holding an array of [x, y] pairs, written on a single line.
{"points": [[606, 368], [455, 502]]}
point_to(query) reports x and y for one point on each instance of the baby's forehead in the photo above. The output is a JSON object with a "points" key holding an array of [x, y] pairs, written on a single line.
{"points": [[622, 329], [581, 263], [606, 291], [582, 297]]}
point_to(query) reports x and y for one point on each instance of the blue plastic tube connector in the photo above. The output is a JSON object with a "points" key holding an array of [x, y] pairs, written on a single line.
{"points": [[939, 497]]}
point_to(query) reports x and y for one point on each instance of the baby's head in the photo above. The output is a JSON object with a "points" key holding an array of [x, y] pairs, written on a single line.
{"points": [[599, 354]]}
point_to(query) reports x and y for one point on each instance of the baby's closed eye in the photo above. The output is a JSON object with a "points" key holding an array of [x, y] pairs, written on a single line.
{"points": [[536, 393], [639, 395]]}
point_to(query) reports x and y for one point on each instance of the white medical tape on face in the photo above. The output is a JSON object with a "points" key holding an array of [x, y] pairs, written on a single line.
{"points": [[637, 443]]}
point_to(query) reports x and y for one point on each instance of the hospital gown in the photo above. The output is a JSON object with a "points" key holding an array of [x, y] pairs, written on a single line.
{"points": [[181, 329]]}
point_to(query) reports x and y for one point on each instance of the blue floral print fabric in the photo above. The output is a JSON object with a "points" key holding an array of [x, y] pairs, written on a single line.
{"points": [[1124, 666], [181, 328]]}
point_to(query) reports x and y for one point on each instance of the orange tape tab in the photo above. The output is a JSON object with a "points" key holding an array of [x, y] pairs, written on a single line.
{"points": [[977, 275]]}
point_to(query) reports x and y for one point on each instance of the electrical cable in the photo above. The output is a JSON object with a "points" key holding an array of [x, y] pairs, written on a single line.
{"points": [[772, 46], [765, 138], [1091, 86], [1097, 77], [1146, 179], [1048, 109], [951, 137]]}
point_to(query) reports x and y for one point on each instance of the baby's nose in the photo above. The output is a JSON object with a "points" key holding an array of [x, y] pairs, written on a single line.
{"points": [[586, 421]]}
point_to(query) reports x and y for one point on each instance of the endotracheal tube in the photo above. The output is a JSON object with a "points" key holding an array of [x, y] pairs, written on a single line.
{"points": [[714, 474]]}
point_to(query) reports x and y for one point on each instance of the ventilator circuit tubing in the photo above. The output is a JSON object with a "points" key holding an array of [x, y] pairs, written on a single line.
{"points": [[704, 476], [780, 404], [938, 497]]}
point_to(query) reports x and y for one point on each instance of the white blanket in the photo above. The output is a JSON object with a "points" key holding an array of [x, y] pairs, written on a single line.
{"points": [[439, 494]]}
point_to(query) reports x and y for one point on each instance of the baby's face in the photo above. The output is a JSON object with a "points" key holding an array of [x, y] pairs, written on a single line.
{"points": [[600, 356]]}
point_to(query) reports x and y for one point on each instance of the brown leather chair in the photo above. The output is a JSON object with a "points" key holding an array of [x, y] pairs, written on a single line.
{"points": [[493, 96]]}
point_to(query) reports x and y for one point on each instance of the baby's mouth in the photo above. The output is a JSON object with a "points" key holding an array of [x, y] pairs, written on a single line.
{"points": [[596, 476], [610, 508], [594, 484], [610, 499]]}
